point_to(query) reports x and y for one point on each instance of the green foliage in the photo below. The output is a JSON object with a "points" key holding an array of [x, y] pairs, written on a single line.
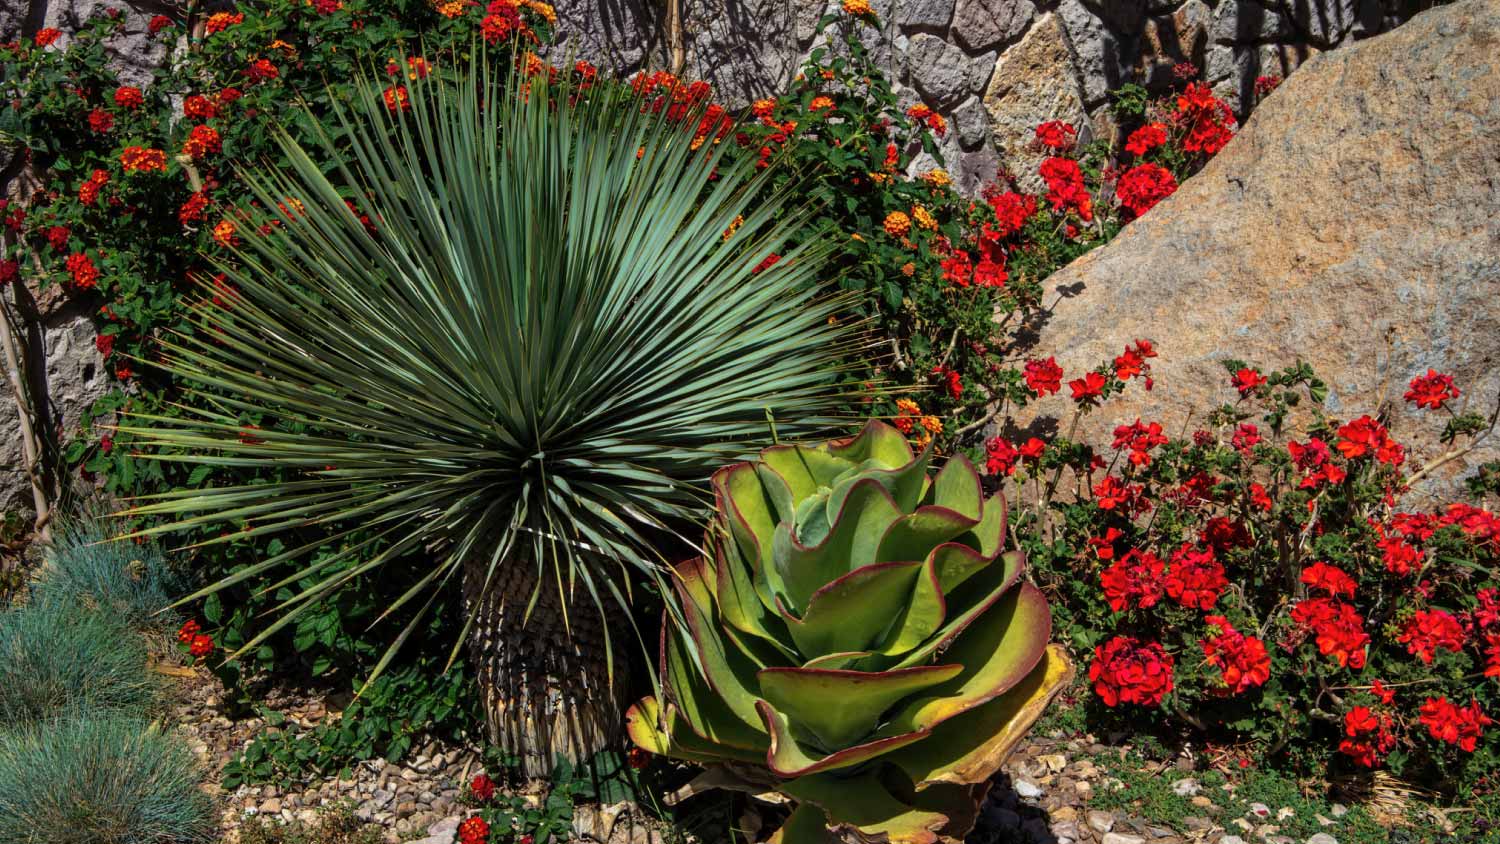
{"points": [[100, 779], [57, 658], [129, 582], [856, 624], [335, 824], [399, 707]]}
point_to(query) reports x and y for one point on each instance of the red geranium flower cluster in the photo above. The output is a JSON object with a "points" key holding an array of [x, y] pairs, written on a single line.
{"points": [[1196, 578], [1247, 381], [1065, 188], [1056, 135], [1144, 185], [1089, 388], [1135, 581], [1367, 736], [1139, 439], [1127, 670], [1210, 124], [1431, 390], [1321, 577], [1132, 362], [482, 787], [1146, 138], [1400, 558], [1460, 725], [1242, 660], [1043, 377], [199, 644], [1113, 494], [1366, 436], [1429, 631], [1313, 457], [1337, 629], [1012, 210]]}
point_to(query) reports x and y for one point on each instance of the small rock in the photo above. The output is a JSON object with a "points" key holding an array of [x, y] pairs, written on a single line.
{"points": [[1338, 810], [271, 807], [1054, 761], [1322, 838], [1195, 823], [1100, 822], [1160, 832], [1260, 810], [1322, 821], [1285, 812], [1231, 839], [1186, 787], [1121, 838], [1203, 803], [1027, 789]]}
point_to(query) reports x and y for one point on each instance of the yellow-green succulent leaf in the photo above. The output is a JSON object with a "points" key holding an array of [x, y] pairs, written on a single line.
{"points": [[807, 825], [839, 708], [863, 803], [976, 596], [997, 651], [957, 487], [913, 536], [867, 513], [971, 747], [854, 611], [790, 757], [949, 565]]}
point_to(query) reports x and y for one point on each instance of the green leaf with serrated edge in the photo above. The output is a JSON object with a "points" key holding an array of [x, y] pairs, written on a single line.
{"points": [[867, 513], [997, 651], [790, 758], [957, 488], [864, 803], [841, 707], [971, 747], [949, 565], [853, 611]]}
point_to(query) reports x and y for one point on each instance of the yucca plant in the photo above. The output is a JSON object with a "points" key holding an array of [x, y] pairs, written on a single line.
{"points": [[857, 639], [515, 323]]}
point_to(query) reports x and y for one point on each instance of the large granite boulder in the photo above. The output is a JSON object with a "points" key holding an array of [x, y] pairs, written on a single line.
{"points": [[1354, 223]]}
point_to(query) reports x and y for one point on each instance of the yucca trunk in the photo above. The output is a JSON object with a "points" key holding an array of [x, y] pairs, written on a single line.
{"points": [[544, 679]]}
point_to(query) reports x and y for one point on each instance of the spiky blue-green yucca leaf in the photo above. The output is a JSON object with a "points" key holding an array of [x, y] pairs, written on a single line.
{"points": [[548, 335]]}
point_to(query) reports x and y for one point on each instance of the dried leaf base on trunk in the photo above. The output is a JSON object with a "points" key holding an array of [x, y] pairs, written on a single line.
{"points": [[545, 681]]}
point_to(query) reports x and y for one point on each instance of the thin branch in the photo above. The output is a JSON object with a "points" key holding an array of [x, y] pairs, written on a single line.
{"points": [[31, 446]]}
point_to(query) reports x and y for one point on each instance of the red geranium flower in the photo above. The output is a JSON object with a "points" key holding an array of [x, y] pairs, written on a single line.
{"points": [[1055, 134], [1400, 558], [1044, 377], [1367, 736], [1000, 456], [1144, 185], [1460, 725], [1338, 630], [1087, 388], [46, 36], [1133, 581], [1196, 579], [482, 787], [1065, 188], [1321, 576], [1431, 390], [1247, 381], [1242, 660], [1428, 631], [1366, 436], [158, 23], [186, 632], [1127, 670], [1146, 138]]}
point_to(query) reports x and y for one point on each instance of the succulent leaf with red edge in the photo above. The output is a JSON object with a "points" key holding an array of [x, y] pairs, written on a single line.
{"points": [[857, 639]]}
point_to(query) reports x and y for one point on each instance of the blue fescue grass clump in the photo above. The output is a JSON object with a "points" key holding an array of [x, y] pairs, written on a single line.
{"points": [[130, 582], [56, 659], [100, 779]]}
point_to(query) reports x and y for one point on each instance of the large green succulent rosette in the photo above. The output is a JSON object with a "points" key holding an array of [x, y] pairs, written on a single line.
{"points": [[857, 639]]}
